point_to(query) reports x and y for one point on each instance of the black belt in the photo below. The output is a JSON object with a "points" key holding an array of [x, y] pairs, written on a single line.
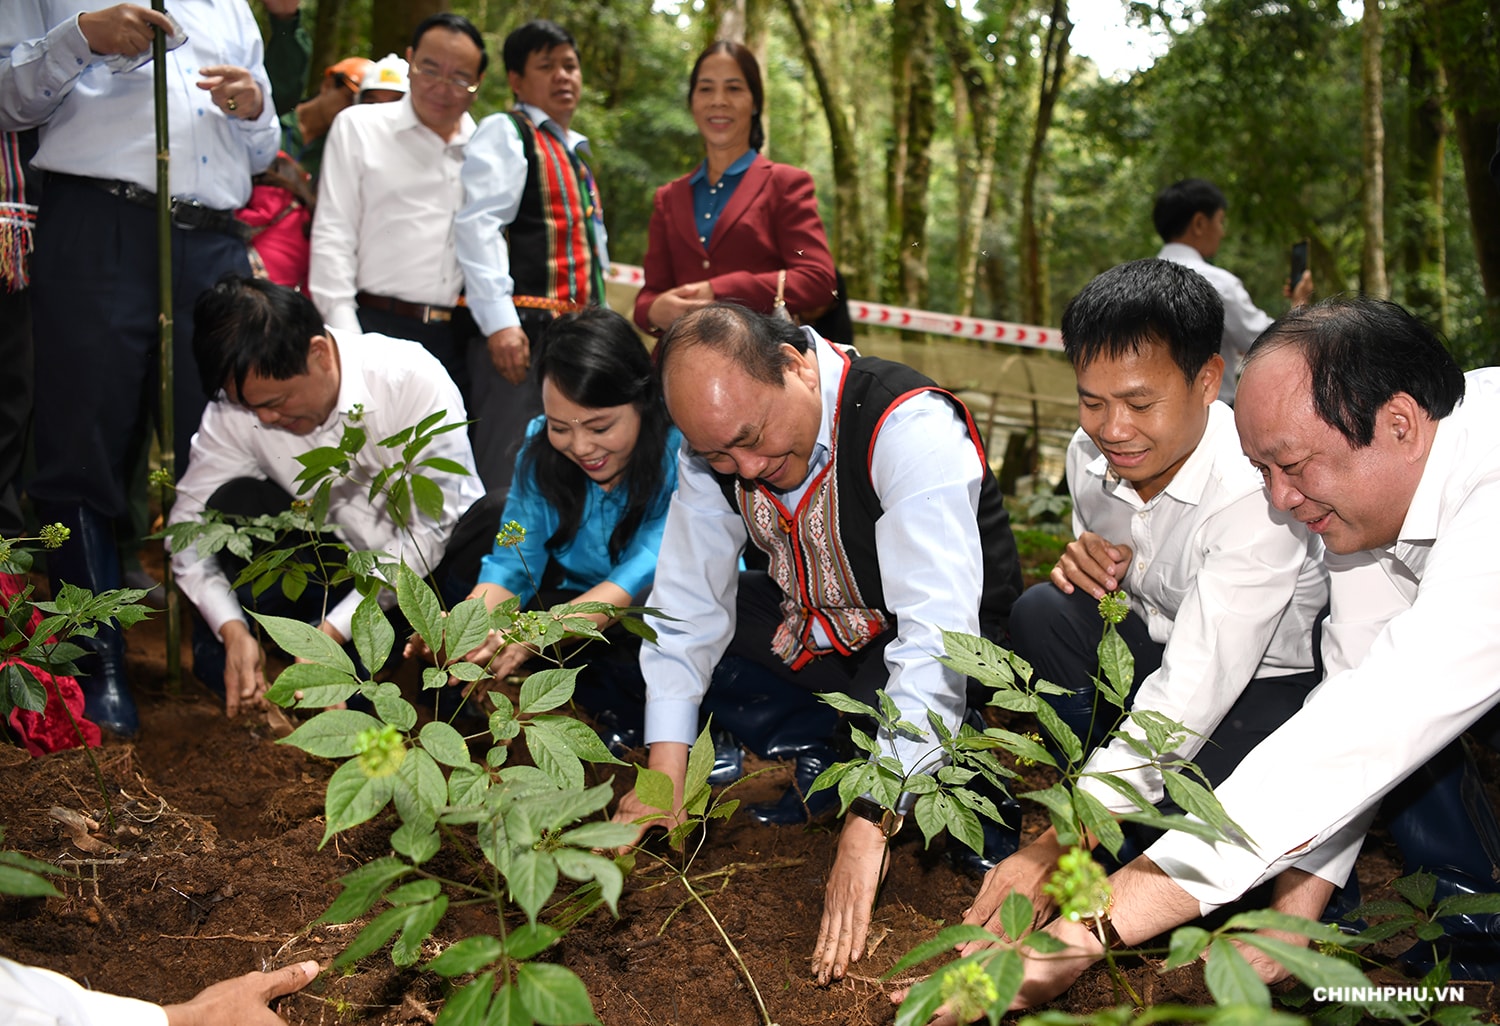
{"points": [[423, 312], [189, 215]]}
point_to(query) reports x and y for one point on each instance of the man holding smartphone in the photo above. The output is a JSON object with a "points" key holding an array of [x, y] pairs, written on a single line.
{"points": [[1189, 217]]}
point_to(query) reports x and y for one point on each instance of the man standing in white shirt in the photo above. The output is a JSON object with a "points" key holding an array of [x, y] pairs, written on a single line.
{"points": [[284, 384], [382, 241], [530, 236], [1224, 591], [1189, 217], [81, 70], [1366, 431]]}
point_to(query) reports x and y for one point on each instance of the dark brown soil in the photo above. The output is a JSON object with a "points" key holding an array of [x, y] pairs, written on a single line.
{"points": [[213, 868]]}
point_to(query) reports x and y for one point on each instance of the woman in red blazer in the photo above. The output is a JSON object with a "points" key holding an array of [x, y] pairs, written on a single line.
{"points": [[727, 231]]}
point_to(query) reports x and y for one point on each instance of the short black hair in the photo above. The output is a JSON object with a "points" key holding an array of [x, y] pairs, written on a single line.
{"points": [[595, 358], [751, 340], [750, 69], [1142, 303], [453, 23], [539, 34], [246, 324], [1360, 352], [1177, 204]]}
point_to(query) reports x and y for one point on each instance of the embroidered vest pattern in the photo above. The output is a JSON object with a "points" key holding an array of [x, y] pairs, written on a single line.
{"points": [[554, 225]]}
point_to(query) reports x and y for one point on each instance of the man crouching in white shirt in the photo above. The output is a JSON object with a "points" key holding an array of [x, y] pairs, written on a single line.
{"points": [[1224, 591], [282, 385]]}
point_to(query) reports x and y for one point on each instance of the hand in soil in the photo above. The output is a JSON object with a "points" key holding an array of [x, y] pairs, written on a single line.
{"points": [[671, 758], [244, 669], [1025, 871], [243, 1000], [848, 898]]}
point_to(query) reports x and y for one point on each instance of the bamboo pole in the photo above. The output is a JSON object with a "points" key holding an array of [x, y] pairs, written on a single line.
{"points": [[166, 434]]}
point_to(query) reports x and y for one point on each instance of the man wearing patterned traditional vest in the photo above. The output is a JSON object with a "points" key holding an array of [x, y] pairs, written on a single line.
{"points": [[529, 194], [867, 489]]}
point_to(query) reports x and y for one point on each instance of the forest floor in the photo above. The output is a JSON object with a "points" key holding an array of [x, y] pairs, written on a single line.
{"points": [[213, 868]]}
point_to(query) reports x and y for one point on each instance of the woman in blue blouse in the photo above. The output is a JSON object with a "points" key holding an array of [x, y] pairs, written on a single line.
{"points": [[593, 479]]}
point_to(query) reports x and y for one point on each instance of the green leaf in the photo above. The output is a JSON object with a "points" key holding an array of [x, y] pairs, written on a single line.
{"points": [[653, 788], [428, 497], [844, 704], [507, 1010], [554, 995], [309, 678], [420, 607], [305, 642], [1270, 919], [362, 888], [444, 743], [331, 734], [552, 752], [1231, 980], [354, 798], [1021, 746], [1059, 802], [530, 939], [467, 628], [415, 893], [1008, 972], [421, 920], [979, 658], [1097, 819], [466, 956], [1062, 734], [373, 634], [1118, 667], [1418, 888], [531, 879], [1188, 942], [1197, 800], [467, 785], [580, 739], [417, 841], [25, 883], [606, 834], [24, 690], [1467, 905], [392, 708], [444, 465], [1309, 966], [1016, 915], [547, 689], [373, 937], [946, 940], [420, 789]]}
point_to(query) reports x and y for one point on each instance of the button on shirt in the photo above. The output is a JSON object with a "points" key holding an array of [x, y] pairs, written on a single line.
{"points": [[1412, 661], [396, 383], [387, 195], [1230, 586], [494, 177], [927, 475], [101, 125], [709, 200], [1243, 320]]}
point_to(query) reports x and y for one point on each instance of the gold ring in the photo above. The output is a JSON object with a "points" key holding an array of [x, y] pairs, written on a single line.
{"points": [[230, 104]]}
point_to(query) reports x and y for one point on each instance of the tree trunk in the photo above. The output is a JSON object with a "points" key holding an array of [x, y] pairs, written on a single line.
{"points": [[329, 34], [1372, 215], [911, 254], [1423, 252], [848, 239], [1035, 298], [393, 21]]}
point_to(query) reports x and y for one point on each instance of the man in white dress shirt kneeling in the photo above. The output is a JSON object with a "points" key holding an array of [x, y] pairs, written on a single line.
{"points": [[282, 385]]}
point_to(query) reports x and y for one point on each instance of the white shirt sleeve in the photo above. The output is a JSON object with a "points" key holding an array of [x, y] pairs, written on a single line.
{"points": [[1432, 671], [697, 579], [927, 474], [30, 996], [217, 457], [1250, 559], [494, 177], [37, 67], [333, 267], [1243, 320]]}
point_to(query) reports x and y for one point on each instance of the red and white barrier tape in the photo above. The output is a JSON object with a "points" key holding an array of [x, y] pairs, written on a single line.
{"points": [[861, 311]]}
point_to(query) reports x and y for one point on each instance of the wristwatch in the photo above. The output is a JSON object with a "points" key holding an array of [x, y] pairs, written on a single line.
{"points": [[1102, 927], [888, 820]]}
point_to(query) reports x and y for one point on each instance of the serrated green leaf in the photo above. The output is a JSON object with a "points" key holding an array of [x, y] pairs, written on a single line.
{"points": [[551, 750], [467, 627], [1098, 820], [1418, 888], [606, 834], [421, 920], [851, 706], [1016, 915], [1062, 735], [1467, 905], [1118, 666], [305, 641], [417, 841], [1309, 966], [979, 658], [354, 798], [428, 497], [1231, 980], [420, 607], [946, 940], [362, 888], [554, 995], [331, 734], [373, 634], [393, 709], [444, 743], [415, 893], [654, 788], [530, 939], [467, 785], [546, 690], [466, 956], [531, 878], [373, 937], [1188, 943], [1197, 800], [1271, 919], [25, 883], [420, 790]]}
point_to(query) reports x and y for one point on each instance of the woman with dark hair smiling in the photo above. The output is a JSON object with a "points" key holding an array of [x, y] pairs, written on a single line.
{"points": [[739, 229], [592, 483]]}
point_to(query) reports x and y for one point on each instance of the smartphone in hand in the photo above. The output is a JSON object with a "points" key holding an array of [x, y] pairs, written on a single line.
{"points": [[1299, 262]]}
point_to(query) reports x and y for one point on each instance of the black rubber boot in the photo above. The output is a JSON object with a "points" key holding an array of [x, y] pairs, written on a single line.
{"points": [[776, 720], [89, 559], [1441, 820]]}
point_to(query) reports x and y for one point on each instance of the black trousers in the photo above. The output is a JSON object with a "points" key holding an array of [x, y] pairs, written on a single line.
{"points": [[15, 404], [501, 410], [446, 340], [94, 305]]}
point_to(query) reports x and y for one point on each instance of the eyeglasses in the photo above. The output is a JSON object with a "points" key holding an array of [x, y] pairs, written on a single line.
{"points": [[461, 84]]}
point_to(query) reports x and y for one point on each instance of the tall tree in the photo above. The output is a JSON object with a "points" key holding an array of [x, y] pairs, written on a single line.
{"points": [[848, 240], [1372, 121], [1035, 291], [912, 23], [1422, 248]]}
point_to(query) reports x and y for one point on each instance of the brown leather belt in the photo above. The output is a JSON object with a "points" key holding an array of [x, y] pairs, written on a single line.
{"points": [[423, 312]]}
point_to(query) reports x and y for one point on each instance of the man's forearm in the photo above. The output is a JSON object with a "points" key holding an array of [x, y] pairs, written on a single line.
{"points": [[1148, 902]]}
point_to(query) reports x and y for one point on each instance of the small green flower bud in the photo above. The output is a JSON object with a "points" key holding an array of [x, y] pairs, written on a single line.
{"points": [[969, 991], [511, 534], [1114, 607], [1079, 886], [53, 535], [161, 477], [381, 750]]}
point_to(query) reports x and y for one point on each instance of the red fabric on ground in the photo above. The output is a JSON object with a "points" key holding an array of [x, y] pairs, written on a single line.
{"points": [[50, 730]]}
